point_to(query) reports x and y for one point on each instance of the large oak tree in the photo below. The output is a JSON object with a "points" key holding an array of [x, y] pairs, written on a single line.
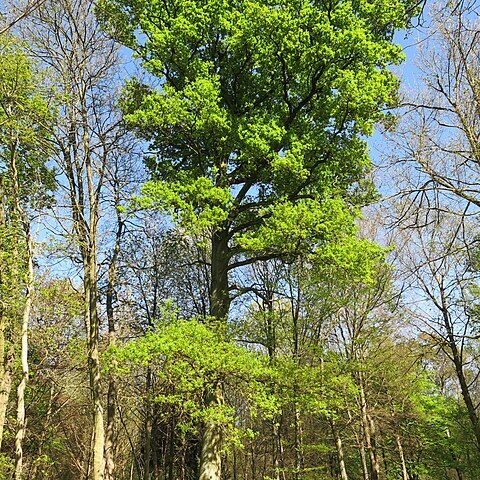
{"points": [[257, 123]]}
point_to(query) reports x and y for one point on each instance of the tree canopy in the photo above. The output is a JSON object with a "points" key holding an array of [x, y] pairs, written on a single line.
{"points": [[258, 117]]}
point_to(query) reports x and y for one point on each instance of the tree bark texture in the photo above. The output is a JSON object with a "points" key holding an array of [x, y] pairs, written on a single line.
{"points": [[402, 457], [112, 388], [21, 417], [212, 441], [366, 427], [211, 459], [91, 313], [21, 220], [339, 448]]}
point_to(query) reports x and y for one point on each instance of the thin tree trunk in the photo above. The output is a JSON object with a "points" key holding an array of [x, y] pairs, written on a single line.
{"points": [[112, 389], [148, 426], [6, 358], [22, 221], [171, 449], [110, 430], [363, 459], [458, 363], [155, 459], [359, 437], [402, 457], [21, 418], [94, 369], [281, 449], [373, 439], [374, 465], [90, 282], [339, 447], [276, 450], [6, 381], [297, 440]]}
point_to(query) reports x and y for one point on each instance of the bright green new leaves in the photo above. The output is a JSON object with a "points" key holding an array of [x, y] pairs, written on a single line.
{"points": [[26, 119], [351, 261], [268, 101], [189, 358], [289, 227], [195, 203]]}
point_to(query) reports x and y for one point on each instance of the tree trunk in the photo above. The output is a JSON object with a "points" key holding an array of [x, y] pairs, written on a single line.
{"points": [[90, 285], [91, 295], [6, 366], [171, 449], [22, 221], [276, 449], [155, 459], [210, 459], [402, 457], [6, 358], [148, 426], [339, 447], [112, 388], [366, 427], [363, 459], [297, 439], [219, 294], [110, 430], [281, 449], [21, 418], [458, 363], [359, 437], [373, 441]]}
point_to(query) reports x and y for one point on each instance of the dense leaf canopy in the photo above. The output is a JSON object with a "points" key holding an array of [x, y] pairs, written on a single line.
{"points": [[266, 102]]}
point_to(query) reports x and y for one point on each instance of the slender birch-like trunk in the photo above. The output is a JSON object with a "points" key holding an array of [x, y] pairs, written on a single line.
{"points": [[21, 417], [22, 221], [363, 459], [402, 457], [6, 355], [339, 447], [366, 426], [6, 380]]}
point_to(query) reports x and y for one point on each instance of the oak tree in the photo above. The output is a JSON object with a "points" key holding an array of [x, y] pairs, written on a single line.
{"points": [[257, 124]]}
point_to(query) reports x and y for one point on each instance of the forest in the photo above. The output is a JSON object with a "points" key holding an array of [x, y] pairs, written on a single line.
{"points": [[239, 240]]}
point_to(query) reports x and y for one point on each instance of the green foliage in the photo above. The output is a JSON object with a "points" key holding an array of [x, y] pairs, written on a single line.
{"points": [[289, 226], [351, 261], [26, 125], [258, 123], [318, 388], [189, 358], [7, 466], [196, 203]]}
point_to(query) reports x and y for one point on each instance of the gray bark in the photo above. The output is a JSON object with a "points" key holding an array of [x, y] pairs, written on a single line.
{"points": [[339, 448], [402, 457]]}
